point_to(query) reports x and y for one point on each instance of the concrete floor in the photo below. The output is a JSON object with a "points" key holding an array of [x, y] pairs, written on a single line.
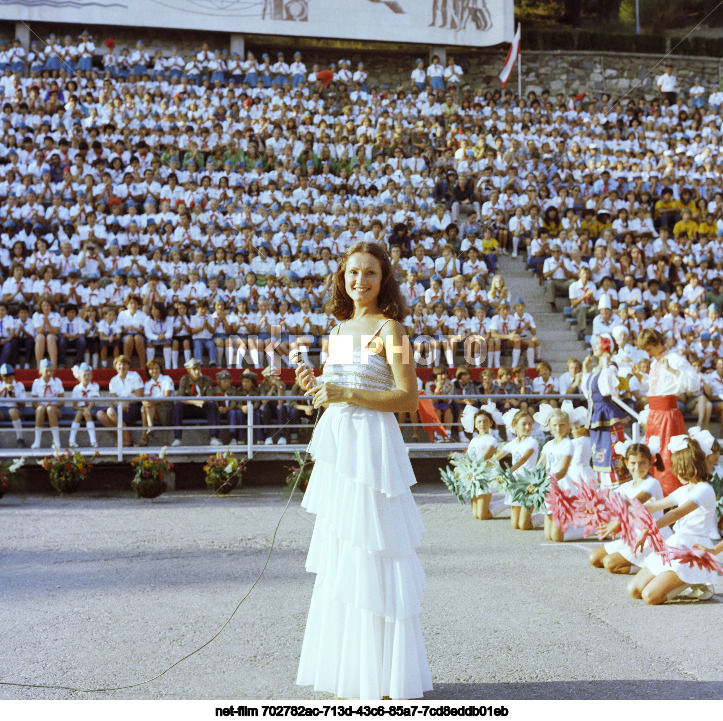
{"points": [[108, 590]]}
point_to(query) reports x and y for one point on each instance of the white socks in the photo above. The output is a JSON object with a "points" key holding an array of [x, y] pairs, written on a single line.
{"points": [[150, 353], [495, 359], [90, 425], [187, 355], [56, 436], [167, 357], [255, 357], [174, 358], [515, 357], [515, 243], [18, 426], [450, 358], [74, 427]]}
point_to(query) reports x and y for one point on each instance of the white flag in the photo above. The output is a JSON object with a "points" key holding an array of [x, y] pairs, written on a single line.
{"points": [[511, 58]]}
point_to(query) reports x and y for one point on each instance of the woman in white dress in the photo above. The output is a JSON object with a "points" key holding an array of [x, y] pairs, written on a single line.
{"points": [[363, 637]]}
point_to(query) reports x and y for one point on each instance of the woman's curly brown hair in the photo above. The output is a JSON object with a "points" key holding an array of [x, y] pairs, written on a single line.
{"points": [[390, 300]]}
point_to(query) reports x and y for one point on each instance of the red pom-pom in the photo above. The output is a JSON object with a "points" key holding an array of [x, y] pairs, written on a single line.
{"points": [[618, 507], [702, 559], [110, 43], [560, 505], [644, 520], [590, 506]]}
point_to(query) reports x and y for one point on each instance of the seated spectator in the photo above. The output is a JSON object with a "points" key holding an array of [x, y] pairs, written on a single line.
{"points": [[83, 394], [47, 326], [48, 389], [11, 391], [73, 332], [124, 384], [504, 385], [274, 414], [7, 334], [24, 340], [545, 383], [228, 407], [192, 385], [441, 385], [157, 386], [249, 387], [131, 322], [158, 332], [569, 382]]}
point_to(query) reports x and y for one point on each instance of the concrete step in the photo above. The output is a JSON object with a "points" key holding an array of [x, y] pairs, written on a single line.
{"points": [[558, 339]]}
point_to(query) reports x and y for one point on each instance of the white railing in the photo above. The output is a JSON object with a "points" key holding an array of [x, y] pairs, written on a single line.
{"points": [[251, 447]]}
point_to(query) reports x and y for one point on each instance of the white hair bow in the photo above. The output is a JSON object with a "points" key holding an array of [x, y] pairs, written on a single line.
{"points": [[654, 445], [543, 415], [705, 439], [678, 443], [467, 418], [508, 417], [491, 408], [621, 447], [75, 370]]}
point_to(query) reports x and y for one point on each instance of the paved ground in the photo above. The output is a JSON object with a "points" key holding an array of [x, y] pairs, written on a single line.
{"points": [[108, 591]]}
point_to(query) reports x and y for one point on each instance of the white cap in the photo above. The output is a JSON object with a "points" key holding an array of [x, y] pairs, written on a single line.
{"points": [[605, 302]]}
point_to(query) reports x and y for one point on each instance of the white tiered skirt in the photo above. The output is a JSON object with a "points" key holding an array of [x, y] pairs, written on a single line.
{"points": [[363, 638]]}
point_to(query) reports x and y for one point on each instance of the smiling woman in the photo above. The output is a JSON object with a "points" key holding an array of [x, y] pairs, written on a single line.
{"points": [[363, 637]]}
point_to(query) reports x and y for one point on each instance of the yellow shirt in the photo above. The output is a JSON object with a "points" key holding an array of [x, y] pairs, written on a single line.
{"points": [[707, 230], [661, 207], [690, 227], [489, 244]]}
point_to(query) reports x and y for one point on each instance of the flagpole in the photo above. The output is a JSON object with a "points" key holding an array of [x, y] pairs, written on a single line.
{"points": [[519, 66]]}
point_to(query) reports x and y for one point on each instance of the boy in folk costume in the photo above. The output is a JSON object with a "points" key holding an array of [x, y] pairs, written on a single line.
{"points": [[670, 376]]}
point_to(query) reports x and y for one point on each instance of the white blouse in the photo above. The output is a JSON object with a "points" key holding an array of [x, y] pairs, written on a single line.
{"points": [[681, 379]]}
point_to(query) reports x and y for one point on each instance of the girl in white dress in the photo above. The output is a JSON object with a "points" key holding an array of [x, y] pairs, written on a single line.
{"points": [[617, 556], [524, 450], [363, 638], [693, 513], [482, 447], [556, 456], [580, 470]]}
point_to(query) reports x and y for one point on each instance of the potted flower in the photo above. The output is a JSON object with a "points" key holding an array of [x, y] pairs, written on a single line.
{"points": [[66, 470], [302, 471], [224, 471], [10, 474], [151, 471]]}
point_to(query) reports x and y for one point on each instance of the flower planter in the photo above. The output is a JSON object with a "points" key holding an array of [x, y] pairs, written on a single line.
{"points": [[151, 487], [65, 485], [224, 472]]}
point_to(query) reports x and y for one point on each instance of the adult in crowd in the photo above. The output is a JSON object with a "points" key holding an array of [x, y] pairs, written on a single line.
{"points": [[125, 384], [192, 385]]}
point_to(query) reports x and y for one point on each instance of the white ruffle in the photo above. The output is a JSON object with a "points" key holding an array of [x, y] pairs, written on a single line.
{"points": [[345, 435]]}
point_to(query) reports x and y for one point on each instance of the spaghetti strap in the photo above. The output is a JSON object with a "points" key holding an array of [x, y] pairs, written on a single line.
{"points": [[377, 331], [338, 328]]}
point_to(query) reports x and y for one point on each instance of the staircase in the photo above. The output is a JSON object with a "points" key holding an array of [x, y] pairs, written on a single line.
{"points": [[558, 338]]}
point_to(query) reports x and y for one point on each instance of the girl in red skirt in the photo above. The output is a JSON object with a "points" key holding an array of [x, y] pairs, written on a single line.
{"points": [[670, 376]]}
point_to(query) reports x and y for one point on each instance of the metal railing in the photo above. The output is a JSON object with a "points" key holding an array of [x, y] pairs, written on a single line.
{"points": [[251, 447]]}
